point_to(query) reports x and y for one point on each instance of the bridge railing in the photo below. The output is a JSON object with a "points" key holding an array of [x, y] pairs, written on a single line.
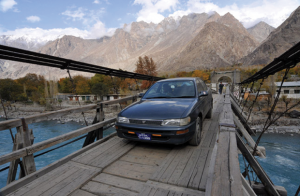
{"points": [[23, 141]]}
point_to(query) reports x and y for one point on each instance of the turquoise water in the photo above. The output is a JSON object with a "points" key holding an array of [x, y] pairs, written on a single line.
{"points": [[283, 160], [43, 131]]}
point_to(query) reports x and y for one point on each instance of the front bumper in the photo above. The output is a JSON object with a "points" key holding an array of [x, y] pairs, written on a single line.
{"points": [[168, 134]]}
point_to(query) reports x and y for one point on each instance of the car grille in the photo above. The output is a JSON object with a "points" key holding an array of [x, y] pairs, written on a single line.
{"points": [[145, 122]]}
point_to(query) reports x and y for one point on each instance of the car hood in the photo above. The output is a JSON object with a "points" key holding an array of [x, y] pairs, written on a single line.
{"points": [[158, 109]]}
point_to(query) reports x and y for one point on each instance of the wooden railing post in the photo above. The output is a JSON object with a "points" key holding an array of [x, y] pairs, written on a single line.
{"points": [[28, 161], [98, 133], [100, 118], [13, 167]]}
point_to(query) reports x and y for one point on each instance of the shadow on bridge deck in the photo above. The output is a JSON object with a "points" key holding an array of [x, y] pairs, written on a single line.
{"points": [[122, 167]]}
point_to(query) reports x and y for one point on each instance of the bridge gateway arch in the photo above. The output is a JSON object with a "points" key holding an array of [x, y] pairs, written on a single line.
{"points": [[230, 77]]}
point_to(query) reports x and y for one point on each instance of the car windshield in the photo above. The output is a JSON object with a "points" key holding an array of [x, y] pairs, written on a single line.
{"points": [[172, 89]]}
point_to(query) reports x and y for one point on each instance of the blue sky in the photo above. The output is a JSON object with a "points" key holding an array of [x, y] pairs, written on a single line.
{"points": [[95, 18]]}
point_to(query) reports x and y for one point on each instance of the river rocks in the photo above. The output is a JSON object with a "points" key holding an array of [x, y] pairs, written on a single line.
{"points": [[280, 130]]}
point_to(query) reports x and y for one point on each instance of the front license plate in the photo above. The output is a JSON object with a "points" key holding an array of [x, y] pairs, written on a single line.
{"points": [[144, 136]]}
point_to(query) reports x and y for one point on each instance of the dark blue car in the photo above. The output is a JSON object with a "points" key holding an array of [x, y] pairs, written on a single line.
{"points": [[171, 111]]}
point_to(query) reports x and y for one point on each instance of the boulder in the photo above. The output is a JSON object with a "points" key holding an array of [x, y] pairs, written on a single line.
{"points": [[294, 114]]}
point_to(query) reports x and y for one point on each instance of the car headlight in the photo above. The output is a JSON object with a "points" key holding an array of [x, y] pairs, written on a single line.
{"points": [[122, 120], [176, 122]]}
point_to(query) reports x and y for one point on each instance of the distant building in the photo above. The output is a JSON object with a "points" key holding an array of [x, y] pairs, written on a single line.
{"points": [[262, 96], [93, 97], [290, 89]]}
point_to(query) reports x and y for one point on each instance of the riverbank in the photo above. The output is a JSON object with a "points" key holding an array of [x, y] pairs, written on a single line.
{"points": [[20, 111]]}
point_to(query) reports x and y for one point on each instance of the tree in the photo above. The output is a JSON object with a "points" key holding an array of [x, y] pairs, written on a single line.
{"points": [[146, 66], [100, 89], [286, 101], [10, 89], [201, 74], [65, 85]]}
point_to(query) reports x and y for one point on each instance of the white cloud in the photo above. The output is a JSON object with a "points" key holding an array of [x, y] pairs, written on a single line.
{"points": [[152, 9], [33, 18], [7, 4], [96, 2], [76, 14], [98, 30], [273, 12]]}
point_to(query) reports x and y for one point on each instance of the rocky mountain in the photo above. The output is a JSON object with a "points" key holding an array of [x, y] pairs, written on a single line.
{"points": [[260, 31], [220, 43], [195, 40], [280, 40]]}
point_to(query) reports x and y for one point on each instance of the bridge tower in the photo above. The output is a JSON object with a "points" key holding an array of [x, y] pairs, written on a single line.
{"points": [[230, 77]]}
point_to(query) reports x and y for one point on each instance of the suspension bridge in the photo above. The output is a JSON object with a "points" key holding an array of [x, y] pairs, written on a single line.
{"points": [[115, 166]]}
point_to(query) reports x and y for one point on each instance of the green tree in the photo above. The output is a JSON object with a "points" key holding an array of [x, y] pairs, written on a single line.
{"points": [[100, 89], [10, 89]]}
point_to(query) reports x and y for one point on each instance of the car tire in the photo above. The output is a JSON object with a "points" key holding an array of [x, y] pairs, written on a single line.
{"points": [[195, 141]]}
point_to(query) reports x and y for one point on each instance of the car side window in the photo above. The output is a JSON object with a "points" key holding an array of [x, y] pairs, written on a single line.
{"points": [[199, 86], [204, 85]]}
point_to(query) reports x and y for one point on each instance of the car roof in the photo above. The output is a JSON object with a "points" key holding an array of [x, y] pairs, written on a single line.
{"points": [[176, 79]]}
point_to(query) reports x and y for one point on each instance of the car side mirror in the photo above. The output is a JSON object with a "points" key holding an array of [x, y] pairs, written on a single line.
{"points": [[141, 95], [203, 93]]}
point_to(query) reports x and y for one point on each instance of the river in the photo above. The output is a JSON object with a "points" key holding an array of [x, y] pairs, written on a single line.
{"points": [[282, 163]]}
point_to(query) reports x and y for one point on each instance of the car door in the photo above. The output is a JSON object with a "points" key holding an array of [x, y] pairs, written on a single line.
{"points": [[206, 99], [201, 100]]}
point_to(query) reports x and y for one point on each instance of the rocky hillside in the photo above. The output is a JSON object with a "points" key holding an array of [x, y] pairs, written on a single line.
{"points": [[260, 31], [193, 41], [219, 43], [280, 40]]}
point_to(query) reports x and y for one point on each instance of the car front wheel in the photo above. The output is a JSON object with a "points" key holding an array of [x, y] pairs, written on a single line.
{"points": [[195, 141]]}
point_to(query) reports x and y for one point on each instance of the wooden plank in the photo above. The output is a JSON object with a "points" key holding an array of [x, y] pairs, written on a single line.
{"points": [[73, 182], [14, 164], [234, 167], [80, 192], [188, 170], [161, 192], [54, 182], [44, 179], [112, 155], [28, 160], [211, 170], [116, 181], [183, 154], [182, 162], [105, 190], [197, 174], [95, 152], [237, 112], [179, 190], [169, 158], [256, 167], [130, 170], [249, 139], [44, 172], [204, 177], [142, 160], [221, 179]]}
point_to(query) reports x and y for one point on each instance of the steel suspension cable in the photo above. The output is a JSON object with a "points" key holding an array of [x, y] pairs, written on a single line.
{"points": [[248, 96], [257, 94], [74, 90], [269, 120]]}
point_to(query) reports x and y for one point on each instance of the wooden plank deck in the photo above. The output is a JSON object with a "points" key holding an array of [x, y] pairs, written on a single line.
{"points": [[122, 167]]}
